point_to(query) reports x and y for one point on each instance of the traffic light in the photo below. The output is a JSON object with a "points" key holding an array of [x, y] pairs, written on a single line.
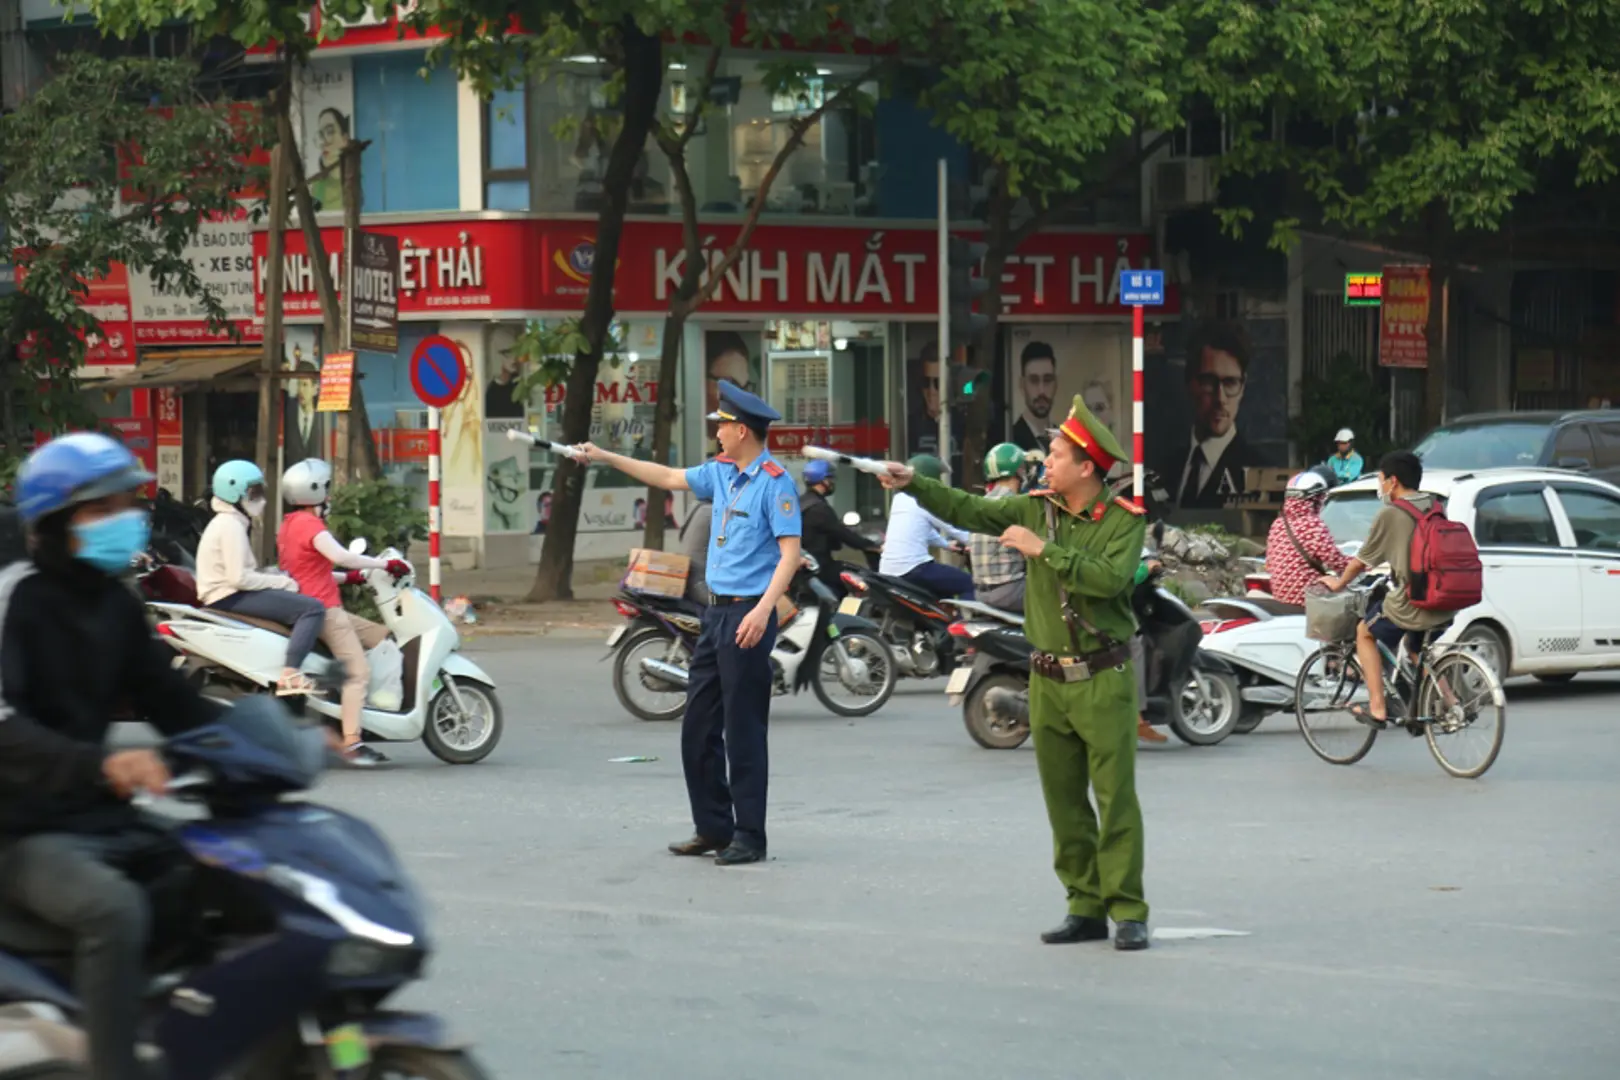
{"points": [[966, 287], [967, 382]]}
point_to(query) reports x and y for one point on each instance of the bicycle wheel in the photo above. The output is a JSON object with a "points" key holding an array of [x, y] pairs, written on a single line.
{"points": [[1328, 684], [1464, 714]]}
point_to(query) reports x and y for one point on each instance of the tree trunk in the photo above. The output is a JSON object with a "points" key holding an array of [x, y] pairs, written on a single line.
{"points": [[680, 309], [362, 454], [644, 79], [270, 368], [1435, 382]]}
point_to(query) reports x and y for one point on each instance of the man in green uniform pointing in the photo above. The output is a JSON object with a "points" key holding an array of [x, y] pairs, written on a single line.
{"points": [[1083, 550]]}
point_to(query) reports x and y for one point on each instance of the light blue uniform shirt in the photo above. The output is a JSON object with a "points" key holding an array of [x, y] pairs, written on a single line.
{"points": [[1345, 468], [753, 508]]}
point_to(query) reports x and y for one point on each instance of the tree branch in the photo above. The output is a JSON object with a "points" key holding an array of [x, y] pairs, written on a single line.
{"points": [[795, 138]]}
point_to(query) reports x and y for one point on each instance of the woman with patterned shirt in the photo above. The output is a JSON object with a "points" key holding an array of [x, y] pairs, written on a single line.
{"points": [[1299, 548]]}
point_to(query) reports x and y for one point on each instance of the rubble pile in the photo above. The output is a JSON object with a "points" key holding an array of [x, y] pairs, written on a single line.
{"points": [[1204, 564]]}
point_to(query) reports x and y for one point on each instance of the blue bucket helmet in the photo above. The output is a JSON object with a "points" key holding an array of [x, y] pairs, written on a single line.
{"points": [[232, 480], [817, 472], [75, 469]]}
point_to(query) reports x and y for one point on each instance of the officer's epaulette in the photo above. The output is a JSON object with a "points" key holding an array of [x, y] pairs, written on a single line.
{"points": [[1129, 504], [773, 469]]}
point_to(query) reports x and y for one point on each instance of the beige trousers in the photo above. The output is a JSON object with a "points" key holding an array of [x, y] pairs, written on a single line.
{"points": [[349, 637]]}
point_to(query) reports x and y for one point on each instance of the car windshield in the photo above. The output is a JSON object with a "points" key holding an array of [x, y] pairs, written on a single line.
{"points": [[1484, 446], [1349, 515]]}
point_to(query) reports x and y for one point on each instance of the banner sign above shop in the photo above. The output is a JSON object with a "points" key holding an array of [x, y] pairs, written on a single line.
{"points": [[524, 267]]}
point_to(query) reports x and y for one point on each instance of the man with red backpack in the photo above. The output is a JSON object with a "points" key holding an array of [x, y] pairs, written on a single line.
{"points": [[1434, 572]]}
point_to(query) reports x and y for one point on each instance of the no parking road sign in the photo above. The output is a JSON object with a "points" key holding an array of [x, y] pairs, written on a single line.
{"points": [[438, 372]]}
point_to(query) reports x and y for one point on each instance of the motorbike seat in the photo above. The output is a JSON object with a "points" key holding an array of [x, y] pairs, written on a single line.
{"points": [[1277, 607], [902, 585], [275, 628]]}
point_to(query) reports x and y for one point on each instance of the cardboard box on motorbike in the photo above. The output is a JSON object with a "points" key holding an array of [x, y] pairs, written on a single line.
{"points": [[662, 573]]}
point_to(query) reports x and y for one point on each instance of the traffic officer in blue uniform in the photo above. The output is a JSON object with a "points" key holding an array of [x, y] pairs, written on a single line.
{"points": [[753, 554]]}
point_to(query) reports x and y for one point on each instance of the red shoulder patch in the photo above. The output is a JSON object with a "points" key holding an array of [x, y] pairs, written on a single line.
{"points": [[1128, 504], [773, 469]]}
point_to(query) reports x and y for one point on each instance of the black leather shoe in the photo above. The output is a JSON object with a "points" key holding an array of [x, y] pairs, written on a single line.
{"points": [[1130, 935], [1075, 928], [738, 855], [698, 845]]}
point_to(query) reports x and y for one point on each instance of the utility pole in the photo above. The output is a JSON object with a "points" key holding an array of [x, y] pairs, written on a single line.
{"points": [[342, 454], [270, 368], [942, 350]]}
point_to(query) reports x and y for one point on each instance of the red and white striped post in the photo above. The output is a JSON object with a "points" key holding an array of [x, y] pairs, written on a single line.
{"points": [[1137, 381], [433, 505]]}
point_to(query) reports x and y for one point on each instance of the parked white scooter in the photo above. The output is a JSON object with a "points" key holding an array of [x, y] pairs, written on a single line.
{"points": [[449, 701]]}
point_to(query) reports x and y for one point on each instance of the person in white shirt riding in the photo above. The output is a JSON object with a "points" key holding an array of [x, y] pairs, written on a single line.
{"points": [[913, 530], [229, 578]]}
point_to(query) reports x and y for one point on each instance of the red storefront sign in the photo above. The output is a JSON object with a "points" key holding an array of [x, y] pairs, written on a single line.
{"points": [[1403, 319], [107, 301], [864, 438], [524, 266]]}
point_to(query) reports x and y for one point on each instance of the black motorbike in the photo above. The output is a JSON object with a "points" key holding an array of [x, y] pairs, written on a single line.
{"points": [[912, 620], [653, 651], [1193, 692]]}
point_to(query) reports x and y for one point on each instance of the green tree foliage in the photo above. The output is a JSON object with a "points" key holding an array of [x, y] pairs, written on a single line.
{"points": [[110, 161]]}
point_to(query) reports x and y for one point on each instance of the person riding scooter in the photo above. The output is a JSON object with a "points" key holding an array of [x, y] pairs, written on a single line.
{"points": [[1299, 548], [1345, 462], [317, 562], [999, 571], [75, 650], [228, 577], [824, 533], [912, 530]]}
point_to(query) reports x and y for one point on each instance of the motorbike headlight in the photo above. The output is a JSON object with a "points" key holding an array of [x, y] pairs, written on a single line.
{"points": [[356, 959], [322, 895]]}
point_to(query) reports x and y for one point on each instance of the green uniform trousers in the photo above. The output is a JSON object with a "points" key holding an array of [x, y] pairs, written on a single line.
{"points": [[1085, 734]]}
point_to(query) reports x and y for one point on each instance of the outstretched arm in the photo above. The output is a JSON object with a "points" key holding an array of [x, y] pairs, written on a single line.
{"points": [[972, 513], [648, 472]]}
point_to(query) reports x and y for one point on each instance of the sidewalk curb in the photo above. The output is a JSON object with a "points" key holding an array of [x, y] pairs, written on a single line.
{"points": [[560, 633]]}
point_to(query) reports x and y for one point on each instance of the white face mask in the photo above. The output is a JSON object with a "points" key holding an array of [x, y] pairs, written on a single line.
{"points": [[254, 507], [1385, 495]]}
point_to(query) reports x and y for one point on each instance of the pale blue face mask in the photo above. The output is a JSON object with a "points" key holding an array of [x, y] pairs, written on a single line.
{"points": [[109, 543]]}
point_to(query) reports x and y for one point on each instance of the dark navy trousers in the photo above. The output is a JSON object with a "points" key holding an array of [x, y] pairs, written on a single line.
{"points": [[728, 708]]}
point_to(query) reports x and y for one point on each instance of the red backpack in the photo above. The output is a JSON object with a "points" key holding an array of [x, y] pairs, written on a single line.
{"points": [[1444, 561]]}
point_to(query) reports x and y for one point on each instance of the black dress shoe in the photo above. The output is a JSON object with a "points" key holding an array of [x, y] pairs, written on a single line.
{"points": [[738, 855], [1076, 928], [698, 845], [1130, 935]]}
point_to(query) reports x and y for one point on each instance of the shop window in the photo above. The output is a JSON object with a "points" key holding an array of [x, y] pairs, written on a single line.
{"points": [[410, 122], [506, 151], [573, 127]]}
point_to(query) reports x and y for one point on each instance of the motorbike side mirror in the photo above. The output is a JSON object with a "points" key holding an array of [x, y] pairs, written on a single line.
{"points": [[852, 519], [358, 545]]}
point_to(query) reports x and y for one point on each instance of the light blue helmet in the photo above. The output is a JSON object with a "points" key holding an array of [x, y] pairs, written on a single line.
{"points": [[232, 480], [74, 469]]}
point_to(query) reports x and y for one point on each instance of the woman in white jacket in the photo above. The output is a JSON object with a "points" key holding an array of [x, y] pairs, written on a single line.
{"points": [[229, 578]]}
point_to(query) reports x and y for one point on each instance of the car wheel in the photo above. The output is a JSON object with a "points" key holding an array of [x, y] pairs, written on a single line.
{"points": [[1491, 648]]}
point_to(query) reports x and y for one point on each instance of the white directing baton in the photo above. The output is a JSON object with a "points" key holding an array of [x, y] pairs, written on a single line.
{"points": [[864, 464], [566, 449]]}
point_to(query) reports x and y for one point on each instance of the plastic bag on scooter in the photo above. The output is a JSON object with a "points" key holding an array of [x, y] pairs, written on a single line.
{"points": [[1332, 616], [387, 687]]}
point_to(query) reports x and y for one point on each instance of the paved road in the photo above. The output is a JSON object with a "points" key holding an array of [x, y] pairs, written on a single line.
{"points": [[1402, 924]]}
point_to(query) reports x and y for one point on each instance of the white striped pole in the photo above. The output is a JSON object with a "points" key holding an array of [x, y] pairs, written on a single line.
{"points": [[433, 505], [1137, 381]]}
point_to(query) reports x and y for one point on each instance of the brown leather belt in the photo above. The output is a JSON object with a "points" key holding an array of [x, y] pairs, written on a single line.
{"points": [[1070, 669]]}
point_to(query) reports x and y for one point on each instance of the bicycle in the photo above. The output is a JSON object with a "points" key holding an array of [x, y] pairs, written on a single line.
{"points": [[1449, 695]]}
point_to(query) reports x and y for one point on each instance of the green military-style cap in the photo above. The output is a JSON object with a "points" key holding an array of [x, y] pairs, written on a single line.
{"points": [[1089, 434]]}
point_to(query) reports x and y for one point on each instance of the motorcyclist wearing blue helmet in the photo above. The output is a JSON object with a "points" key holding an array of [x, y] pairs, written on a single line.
{"points": [[75, 649], [229, 578], [823, 532]]}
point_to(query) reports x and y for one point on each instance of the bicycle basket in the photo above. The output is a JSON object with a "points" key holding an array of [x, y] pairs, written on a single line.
{"points": [[1332, 616]]}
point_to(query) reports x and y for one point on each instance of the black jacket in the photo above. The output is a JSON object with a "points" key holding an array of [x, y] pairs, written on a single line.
{"points": [[75, 650], [823, 533]]}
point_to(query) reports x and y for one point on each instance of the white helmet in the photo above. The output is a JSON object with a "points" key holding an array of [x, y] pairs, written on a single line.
{"points": [[1345, 435], [307, 483], [1306, 485]]}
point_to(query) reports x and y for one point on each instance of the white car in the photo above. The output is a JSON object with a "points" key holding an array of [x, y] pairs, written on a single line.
{"points": [[1550, 543]]}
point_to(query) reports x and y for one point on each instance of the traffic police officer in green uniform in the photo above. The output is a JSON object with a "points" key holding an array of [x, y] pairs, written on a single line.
{"points": [[753, 554], [1083, 549]]}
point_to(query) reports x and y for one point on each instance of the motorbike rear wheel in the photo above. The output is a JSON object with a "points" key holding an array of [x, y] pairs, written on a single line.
{"points": [[654, 643], [984, 728]]}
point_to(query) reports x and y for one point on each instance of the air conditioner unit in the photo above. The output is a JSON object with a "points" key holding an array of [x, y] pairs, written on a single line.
{"points": [[1183, 182]]}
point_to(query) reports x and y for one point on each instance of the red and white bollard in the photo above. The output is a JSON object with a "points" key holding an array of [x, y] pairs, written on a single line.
{"points": [[1137, 381], [433, 505]]}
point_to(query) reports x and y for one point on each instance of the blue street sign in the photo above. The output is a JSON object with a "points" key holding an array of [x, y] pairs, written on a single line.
{"points": [[1141, 287]]}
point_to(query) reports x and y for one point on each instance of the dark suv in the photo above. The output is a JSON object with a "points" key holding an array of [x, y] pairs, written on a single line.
{"points": [[1587, 441]]}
